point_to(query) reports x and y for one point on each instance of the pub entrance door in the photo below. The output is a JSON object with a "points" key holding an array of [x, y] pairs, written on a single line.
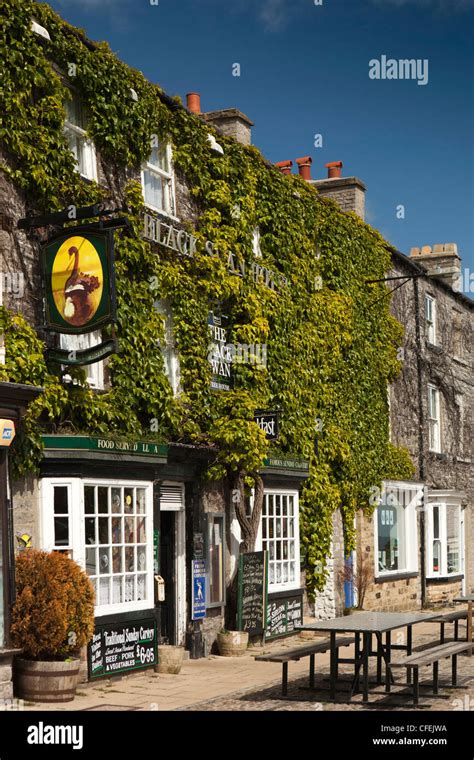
{"points": [[173, 563]]}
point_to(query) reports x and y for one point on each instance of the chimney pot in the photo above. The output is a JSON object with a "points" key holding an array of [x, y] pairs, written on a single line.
{"points": [[334, 169], [193, 102], [284, 166], [304, 167]]}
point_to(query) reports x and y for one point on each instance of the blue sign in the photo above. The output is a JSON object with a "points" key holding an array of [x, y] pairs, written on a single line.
{"points": [[199, 589]]}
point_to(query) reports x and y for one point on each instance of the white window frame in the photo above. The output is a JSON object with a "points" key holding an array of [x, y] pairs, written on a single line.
{"points": [[430, 319], [87, 144], [77, 530], [256, 248], [290, 585], [94, 372], [212, 517], [443, 539], [434, 419], [413, 499], [169, 348], [167, 177]]}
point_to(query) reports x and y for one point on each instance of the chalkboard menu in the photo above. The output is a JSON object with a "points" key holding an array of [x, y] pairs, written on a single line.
{"points": [[284, 614], [117, 648], [252, 599]]}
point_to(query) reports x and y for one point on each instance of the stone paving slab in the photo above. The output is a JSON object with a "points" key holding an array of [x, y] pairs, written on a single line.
{"points": [[210, 684]]}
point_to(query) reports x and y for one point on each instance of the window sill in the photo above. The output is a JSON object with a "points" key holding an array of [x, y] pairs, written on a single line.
{"points": [[463, 460], [161, 212], [434, 579], [387, 577], [433, 347], [287, 591], [439, 455]]}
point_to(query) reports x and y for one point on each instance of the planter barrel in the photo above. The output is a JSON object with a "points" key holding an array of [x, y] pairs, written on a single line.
{"points": [[170, 659], [46, 681], [232, 643]]}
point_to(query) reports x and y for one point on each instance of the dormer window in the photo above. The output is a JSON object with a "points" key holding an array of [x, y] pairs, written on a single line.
{"points": [[157, 180], [75, 128]]}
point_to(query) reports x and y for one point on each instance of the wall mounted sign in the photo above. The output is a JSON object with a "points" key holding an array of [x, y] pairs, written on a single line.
{"points": [[7, 433], [198, 586], [184, 243], [220, 354], [252, 594], [268, 422], [157, 451], [79, 281], [121, 647]]}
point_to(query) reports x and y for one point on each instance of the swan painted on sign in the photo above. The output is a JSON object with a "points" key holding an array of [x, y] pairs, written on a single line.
{"points": [[77, 289]]}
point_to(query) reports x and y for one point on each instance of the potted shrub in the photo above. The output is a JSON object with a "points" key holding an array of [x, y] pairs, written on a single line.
{"points": [[232, 643], [52, 618]]}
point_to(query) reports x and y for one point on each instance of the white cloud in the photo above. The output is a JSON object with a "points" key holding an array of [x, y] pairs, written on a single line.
{"points": [[273, 14]]}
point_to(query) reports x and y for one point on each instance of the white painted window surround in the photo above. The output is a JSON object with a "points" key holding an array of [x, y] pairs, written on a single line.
{"points": [[434, 419], [395, 529], [279, 534], [94, 372], [75, 129], [107, 532], [430, 319], [158, 186], [443, 539]]}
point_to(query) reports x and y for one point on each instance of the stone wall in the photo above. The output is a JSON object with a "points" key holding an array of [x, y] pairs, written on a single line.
{"points": [[6, 685], [330, 602]]}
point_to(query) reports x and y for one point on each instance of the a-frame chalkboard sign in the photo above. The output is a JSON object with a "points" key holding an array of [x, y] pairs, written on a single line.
{"points": [[252, 596]]}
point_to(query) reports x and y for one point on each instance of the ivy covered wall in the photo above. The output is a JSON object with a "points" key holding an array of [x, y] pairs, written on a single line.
{"points": [[331, 349]]}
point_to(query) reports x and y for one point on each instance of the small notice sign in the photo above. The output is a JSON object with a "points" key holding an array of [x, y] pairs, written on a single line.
{"points": [[198, 589]]}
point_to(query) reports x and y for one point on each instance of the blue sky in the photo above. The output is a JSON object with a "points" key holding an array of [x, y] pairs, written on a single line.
{"points": [[305, 71]]}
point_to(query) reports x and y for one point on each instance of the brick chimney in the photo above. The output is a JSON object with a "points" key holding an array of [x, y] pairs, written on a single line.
{"points": [[441, 260], [348, 192]]}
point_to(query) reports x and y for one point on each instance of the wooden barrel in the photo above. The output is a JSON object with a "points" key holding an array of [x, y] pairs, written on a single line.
{"points": [[43, 681], [170, 659], [232, 643]]}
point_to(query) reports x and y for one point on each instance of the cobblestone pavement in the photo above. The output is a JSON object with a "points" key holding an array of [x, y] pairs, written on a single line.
{"points": [[210, 684]]}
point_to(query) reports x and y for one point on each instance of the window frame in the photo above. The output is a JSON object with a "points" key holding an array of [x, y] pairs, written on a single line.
{"points": [[410, 528], [442, 507], [95, 371], [274, 588], [80, 132], [434, 423], [211, 518], [169, 349], [168, 176], [431, 320], [77, 530]]}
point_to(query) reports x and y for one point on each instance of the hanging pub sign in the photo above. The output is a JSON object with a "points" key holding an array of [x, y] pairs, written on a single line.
{"points": [[220, 353], [78, 281], [79, 289], [268, 422]]}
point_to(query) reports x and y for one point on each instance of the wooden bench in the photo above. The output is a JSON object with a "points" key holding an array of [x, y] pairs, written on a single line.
{"points": [[432, 657], [293, 655], [450, 617]]}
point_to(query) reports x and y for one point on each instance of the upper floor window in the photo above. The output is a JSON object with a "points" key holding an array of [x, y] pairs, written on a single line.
{"points": [[94, 372], [75, 129], [434, 419], [430, 319], [457, 342], [157, 180], [168, 346], [257, 251]]}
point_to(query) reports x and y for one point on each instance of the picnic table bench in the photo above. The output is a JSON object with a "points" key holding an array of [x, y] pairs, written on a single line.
{"points": [[431, 656], [297, 653], [450, 617]]}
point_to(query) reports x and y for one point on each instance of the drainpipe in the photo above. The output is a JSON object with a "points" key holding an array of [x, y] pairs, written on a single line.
{"points": [[421, 435]]}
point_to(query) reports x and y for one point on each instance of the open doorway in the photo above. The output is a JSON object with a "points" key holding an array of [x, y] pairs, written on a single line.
{"points": [[173, 564]]}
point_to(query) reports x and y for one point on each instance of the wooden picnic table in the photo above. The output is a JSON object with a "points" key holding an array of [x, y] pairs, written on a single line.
{"points": [[469, 598], [366, 625]]}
